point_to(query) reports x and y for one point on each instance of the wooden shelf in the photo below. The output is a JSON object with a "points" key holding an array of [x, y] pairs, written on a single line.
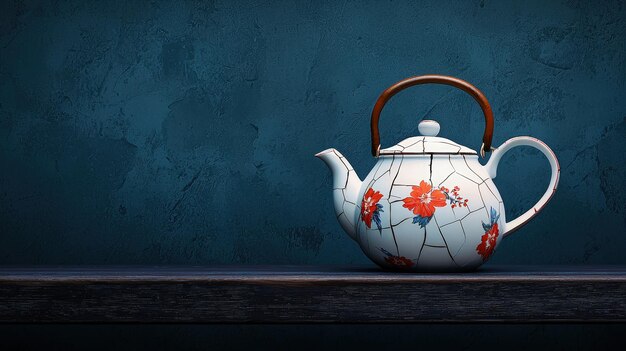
{"points": [[301, 294]]}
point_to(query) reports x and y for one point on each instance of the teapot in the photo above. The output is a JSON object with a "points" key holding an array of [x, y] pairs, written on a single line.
{"points": [[429, 204]]}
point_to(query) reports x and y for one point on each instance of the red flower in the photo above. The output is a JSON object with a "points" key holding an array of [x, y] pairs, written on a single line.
{"points": [[399, 261], [488, 242], [369, 206], [423, 200]]}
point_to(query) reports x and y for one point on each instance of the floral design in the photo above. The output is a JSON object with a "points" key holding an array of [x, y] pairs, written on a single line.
{"points": [[397, 261], [454, 199], [424, 200], [371, 209], [488, 240]]}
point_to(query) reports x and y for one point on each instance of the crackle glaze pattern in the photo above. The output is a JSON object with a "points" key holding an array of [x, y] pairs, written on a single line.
{"points": [[449, 240], [435, 211]]}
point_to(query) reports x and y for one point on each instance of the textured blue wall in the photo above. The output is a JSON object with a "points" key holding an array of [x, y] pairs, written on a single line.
{"points": [[184, 132]]}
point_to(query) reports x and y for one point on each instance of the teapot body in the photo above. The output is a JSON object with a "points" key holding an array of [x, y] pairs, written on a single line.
{"points": [[429, 213], [428, 204]]}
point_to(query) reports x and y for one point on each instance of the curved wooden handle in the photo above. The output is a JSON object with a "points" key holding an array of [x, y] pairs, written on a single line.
{"points": [[434, 79]]}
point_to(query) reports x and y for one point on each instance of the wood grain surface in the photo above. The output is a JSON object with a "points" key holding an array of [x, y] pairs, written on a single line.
{"points": [[301, 294]]}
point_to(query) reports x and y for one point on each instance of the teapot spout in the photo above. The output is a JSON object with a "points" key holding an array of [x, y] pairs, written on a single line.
{"points": [[346, 186]]}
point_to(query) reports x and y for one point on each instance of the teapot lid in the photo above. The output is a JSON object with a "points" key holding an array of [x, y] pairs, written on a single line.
{"points": [[427, 143]]}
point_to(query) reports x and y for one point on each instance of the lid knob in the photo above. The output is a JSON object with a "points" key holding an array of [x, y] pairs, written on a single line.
{"points": [[428, 127]]}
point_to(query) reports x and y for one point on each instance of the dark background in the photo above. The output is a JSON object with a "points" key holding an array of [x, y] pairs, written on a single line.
{"points": [[175, 132]]}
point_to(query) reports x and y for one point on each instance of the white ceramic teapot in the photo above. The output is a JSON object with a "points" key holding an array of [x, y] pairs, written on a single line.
{"points": [[428, 204]]}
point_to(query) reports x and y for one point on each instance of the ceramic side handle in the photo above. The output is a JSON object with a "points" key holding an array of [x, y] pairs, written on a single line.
{"points": [[492, 167]]}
